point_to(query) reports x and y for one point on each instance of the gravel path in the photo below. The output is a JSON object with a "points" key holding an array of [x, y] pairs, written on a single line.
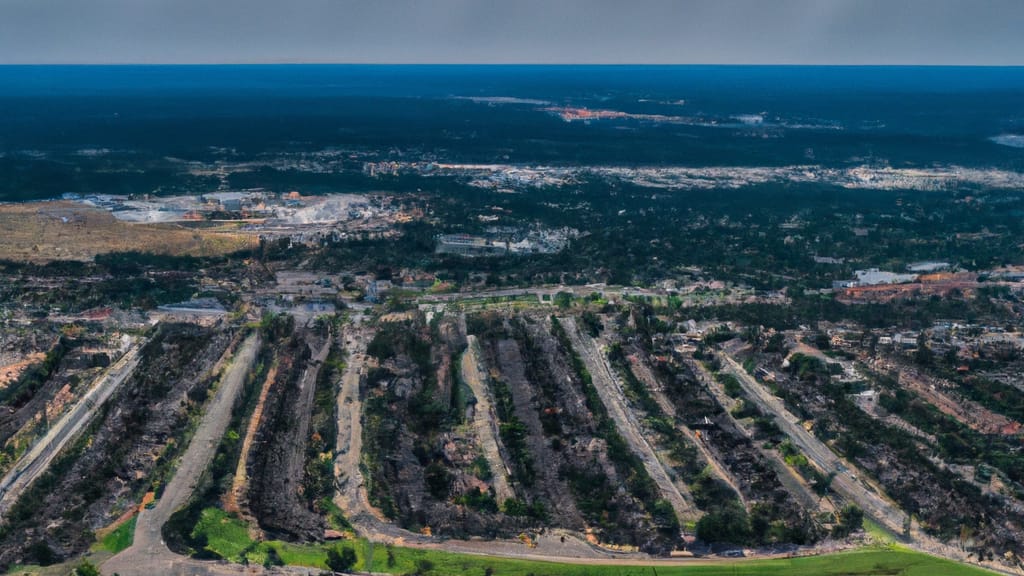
{"points": [[485, 422], [34, 462], [614, 400]]}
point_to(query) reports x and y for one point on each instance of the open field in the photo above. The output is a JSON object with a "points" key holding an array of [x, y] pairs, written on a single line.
{"points": [[868, 562], [228, 537], [46, 231], [120, 539]]}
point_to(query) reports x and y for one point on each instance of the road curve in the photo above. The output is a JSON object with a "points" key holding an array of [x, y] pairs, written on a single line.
{"points": [[148, 554]]}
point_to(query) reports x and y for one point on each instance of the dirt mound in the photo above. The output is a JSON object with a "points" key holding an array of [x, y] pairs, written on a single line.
{"points": [[276, 465]]}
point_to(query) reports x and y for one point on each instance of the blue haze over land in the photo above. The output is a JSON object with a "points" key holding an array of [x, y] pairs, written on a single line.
{"points": [[718, 115]]}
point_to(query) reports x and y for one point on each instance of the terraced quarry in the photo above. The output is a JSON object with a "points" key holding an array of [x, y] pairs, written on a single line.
{"points": [[532, 437]]}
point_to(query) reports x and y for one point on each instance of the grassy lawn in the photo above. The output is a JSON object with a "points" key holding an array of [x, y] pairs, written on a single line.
{"points": [[228, 537], [868, 562], [119, 539], [879, 534]]}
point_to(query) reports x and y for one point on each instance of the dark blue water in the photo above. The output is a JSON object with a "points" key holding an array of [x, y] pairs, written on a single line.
{"points": [[826, 115]]}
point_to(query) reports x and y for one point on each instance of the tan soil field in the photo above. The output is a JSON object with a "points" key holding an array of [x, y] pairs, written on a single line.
{"points": [[45, 231]]}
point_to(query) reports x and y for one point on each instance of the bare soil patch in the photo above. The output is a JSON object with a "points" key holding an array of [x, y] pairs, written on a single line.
{"points": [[45, 231]]}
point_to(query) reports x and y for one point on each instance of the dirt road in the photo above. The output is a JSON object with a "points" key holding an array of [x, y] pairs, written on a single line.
{"points": [[644, 374], [148, 554], [845, 481], [34, 462], [485, 421], [967, 412], [789, 478], [611, 395], [351, 495]]}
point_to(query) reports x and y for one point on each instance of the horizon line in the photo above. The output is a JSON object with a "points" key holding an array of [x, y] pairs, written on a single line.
{"points": [[511, 64]]}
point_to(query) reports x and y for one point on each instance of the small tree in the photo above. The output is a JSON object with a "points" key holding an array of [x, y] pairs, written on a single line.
{"points": [[86, 568], [423, 566], [563, 300], [924, 355], [341, 561], [851, 520]]}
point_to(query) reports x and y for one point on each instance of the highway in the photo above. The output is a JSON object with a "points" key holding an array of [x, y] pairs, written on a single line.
{"points": [[844, 482], [33, 463]]}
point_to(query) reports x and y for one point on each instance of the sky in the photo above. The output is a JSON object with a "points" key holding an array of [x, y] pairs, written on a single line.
{"points": [[932, 32]]}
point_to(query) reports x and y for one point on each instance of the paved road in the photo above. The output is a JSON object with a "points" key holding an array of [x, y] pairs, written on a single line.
{"points": [[148, 554], [485, 421], [541, 291], [611, 395], [844, 482], [36, 461]]}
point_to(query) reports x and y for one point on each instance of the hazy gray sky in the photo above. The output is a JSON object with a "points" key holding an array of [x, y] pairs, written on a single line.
{"points": [[542, 31]]}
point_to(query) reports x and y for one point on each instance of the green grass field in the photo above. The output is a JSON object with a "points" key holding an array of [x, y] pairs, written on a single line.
{"points": [[229, 538], [867, 562], [118, 539]]}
